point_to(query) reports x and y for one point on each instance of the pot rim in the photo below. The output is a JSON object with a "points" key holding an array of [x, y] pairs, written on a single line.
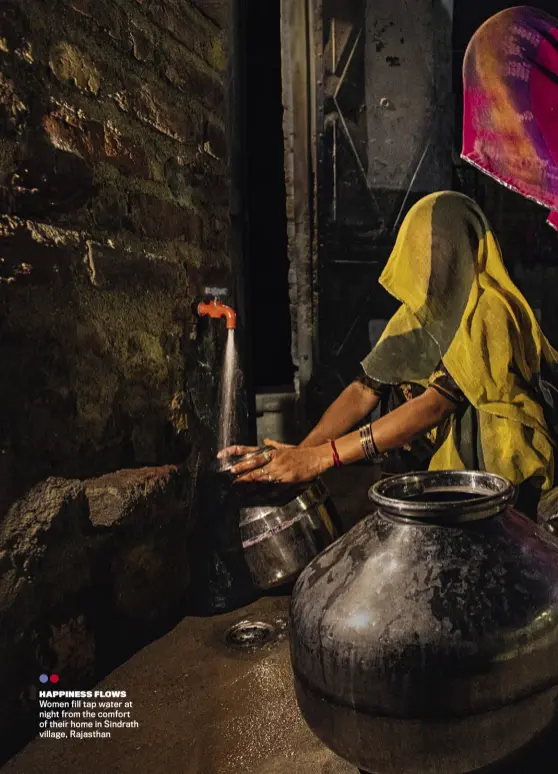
{"points": [[490, 494]]}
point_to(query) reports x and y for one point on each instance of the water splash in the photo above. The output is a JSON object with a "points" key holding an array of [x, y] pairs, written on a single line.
{"points": [[227, 414]]}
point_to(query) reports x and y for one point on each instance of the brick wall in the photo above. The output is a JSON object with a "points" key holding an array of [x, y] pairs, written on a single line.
{"points": [[113, 216]]}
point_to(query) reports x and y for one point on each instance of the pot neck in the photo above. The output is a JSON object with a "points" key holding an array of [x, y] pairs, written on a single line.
{"points": [[443, 497]]}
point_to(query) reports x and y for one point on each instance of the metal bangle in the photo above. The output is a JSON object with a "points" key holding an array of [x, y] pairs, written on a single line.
{"points": [[369, 445], [373, 442]]}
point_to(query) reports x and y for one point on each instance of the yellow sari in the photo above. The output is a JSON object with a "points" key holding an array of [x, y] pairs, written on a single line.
{"points": [[460, 306]]}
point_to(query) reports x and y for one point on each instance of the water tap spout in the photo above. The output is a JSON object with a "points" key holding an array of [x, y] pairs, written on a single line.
{"points": [[216, 309]]}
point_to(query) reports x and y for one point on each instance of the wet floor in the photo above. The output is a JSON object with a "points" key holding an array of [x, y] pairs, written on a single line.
{"points": [[203, 707]]}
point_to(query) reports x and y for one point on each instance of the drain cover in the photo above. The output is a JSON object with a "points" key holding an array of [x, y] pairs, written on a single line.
{"points": [[249, 634]]}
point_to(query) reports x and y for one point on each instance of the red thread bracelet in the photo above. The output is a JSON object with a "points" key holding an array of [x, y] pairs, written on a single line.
{"points": [[336, 461]]}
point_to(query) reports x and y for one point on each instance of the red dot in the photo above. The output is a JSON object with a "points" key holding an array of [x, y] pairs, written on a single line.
{"points": [[54, 678]]}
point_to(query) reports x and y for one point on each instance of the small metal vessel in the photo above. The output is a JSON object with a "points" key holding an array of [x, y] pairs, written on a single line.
{"points": [[425, 640], [282, 528]]}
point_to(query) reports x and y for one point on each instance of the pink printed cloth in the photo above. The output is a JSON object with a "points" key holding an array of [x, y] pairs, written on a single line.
{"points": [[510, 122]]}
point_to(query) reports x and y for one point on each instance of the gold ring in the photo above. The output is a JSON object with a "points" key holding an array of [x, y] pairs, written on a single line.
{"points": [[269, 477], [268, 456]]}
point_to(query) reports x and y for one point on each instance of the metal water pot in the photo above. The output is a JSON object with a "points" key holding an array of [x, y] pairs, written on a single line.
{"points": [[425, 640], [282, 528], [547, 512]]}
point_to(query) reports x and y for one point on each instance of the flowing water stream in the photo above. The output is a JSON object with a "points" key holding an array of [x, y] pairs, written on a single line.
{"points": [[227, 587], [229, 379]]}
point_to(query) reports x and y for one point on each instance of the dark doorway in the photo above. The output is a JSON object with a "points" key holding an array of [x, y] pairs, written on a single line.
{"points": [[268, 265]]}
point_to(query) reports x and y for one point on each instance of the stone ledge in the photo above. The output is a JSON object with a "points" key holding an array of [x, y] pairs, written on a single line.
{"points": [[129, 495], [88, 571]]}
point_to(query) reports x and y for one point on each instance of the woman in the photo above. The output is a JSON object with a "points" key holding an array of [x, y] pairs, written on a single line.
{"points": [[464, 356]]}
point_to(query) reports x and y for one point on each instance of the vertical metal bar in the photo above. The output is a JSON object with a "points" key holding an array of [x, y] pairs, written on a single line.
{"points": [[299, 131], [334, 168], [314, 55]]}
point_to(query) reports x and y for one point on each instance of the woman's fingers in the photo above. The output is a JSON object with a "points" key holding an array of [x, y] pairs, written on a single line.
{"points": [[239, 450], [266, 474], [280, 466], [246, 478], [255, 475], [269, 474], [277, 445], [260, 461], [235, 451]]}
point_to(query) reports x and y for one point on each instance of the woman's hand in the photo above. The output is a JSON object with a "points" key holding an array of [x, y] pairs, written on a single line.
{"points": [[255, 462], [235, 451], [288, 465]]}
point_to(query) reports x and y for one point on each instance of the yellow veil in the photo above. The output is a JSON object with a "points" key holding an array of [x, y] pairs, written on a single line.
{"points": [[460, 306]]}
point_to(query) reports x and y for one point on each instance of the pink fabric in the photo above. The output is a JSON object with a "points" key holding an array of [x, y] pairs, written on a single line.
{"points": [[510, 122]]}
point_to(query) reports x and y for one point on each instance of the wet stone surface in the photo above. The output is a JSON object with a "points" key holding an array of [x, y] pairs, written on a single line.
{"points": [[203, 708]]}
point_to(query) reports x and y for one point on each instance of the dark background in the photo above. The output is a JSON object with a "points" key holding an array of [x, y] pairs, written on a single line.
{"points": [[267, 261]]}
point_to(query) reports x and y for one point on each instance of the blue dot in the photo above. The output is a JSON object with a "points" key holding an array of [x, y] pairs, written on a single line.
{"points": [[43, 678]]}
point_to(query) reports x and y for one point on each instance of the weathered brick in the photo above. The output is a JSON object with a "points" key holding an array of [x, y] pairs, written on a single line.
{"points": [[96, 143], [114, 269], [216, 10], [166, 15], [68, 63], [12, 109], [216, 236], [177, 18], [109, 209], [159, 109], [107, 16], [187, 76], [197, 180], [85, 139], [128, 157], [51, 182], [9, 153], [91, 338], [143, 41], [212, 275], [24, 261], [160, 219], [217, 54], [14, 25], [216, 140]]}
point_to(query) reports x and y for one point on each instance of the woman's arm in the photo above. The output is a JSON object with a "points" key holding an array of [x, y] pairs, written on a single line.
{"points": [[398, 428], [392, 431], [355, 402]]}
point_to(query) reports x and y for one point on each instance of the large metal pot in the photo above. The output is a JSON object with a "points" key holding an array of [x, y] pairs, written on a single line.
{"points": [[426, 639], [282, 528], [547, 512]]}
